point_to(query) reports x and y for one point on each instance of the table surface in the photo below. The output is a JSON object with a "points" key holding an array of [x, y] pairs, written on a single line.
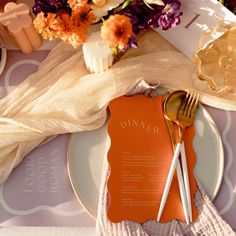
{"points": [[41, 183]]}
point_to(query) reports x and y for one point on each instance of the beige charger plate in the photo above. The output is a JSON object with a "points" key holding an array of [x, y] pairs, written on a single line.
{"points": [[87, 151]]}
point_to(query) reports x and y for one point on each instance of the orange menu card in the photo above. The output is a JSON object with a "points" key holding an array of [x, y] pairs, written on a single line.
{"points": [[140, 156]]}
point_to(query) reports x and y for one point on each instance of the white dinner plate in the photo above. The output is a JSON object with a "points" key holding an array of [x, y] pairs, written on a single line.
{"points": [[87, 151]]}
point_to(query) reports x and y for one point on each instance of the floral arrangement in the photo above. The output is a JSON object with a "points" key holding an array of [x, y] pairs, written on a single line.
{"points": [[230, 4], [121, 20]]}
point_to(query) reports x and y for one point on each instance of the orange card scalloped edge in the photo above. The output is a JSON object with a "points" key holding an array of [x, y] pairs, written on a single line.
{"points": [[139, 157]]}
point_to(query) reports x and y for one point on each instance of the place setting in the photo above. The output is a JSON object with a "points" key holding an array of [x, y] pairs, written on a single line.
{"points": [[120, 128], [95, 143]]}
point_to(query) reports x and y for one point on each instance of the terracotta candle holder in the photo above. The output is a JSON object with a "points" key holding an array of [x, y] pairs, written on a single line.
{"points": [[17, 20], [3, 3]]}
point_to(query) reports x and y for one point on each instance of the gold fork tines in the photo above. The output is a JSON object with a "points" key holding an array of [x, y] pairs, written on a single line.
{"points": [[195, 105], [193, 102], [187, 110]]}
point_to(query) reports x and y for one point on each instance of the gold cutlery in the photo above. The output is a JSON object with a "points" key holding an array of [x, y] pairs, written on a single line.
{"points": [[183, 196], [180, 107]]}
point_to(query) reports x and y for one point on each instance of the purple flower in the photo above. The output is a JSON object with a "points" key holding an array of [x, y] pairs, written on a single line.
{"points": [[47, 6], [170, 15], [144, 17], [132, 43]]}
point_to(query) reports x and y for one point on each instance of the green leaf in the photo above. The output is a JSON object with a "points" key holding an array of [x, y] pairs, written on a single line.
{"points": [[115, 51]]}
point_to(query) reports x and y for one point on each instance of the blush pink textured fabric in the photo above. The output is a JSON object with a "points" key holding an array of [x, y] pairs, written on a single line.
{"points": [[208, 222]]}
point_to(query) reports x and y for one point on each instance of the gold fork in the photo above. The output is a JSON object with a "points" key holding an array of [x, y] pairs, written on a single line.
{"points": [[187, 112], [184, 118]]}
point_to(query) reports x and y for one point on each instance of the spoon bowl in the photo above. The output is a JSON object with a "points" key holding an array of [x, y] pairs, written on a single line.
{"points": [[172, 105]]}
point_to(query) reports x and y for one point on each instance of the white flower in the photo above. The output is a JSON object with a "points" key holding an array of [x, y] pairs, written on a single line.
{"points": [[99, 12], [157, 2]]}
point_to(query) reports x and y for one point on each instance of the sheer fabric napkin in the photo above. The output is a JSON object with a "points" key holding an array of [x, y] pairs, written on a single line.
{"points": [[61, 97]]}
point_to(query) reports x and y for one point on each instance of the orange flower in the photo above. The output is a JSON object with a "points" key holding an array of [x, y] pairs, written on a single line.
{"points": [[76, 3], [82, 16], [117, 30], [50, 26], [71, 29], [65, 16], [74, 38], [80, 21], [55, 22]]}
